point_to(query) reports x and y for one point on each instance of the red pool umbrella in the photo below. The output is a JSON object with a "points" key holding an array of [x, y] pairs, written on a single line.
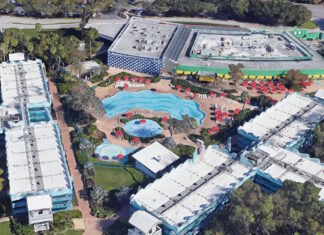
{"points": [[270, 83], [222, 94], [219, 112], [195, 95], [140, 79], [125, 85], [164, 119], [120, 156], [245, 83], [219, 118], [119, 133], [210, 132], [283, 89], [117, 79], [147, 81], [134, 79], [253, 83], [290, 90], [187, 89], [225, 114], [308, 83], [135, 140], [179, 87], [237, 111], [262, 83], [215, 129], [264, 89], [126, 78], [129, 114], [142, 121], [212, 93], [274, 89]]}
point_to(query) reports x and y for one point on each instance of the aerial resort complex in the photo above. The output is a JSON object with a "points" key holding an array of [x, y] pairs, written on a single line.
{"points": [[129, 121], [152, 46], [39, 179]]}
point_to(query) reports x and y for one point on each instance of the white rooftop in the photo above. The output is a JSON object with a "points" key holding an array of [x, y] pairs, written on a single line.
{"points": [[16, 56], [143, 221], [194, 185], [155, 157], [35, 160], [39, 202], [320, 94], [287, 165], [286, 121], [24, 80]]}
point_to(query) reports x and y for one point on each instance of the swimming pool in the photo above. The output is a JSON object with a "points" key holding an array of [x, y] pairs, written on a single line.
{"points": [[170, 103], [108, 151], [145, 129]]}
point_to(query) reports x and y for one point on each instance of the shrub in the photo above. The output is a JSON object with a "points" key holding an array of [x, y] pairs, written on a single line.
{"points": [[184, 150]]}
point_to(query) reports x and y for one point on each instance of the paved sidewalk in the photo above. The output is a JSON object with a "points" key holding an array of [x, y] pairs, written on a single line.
{"points": [[92, 224]]}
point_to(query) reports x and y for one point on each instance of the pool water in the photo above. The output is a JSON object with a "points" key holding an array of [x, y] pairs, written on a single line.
{"points": [[125, 101], [110, 151], [143, 130], [38, 115]]}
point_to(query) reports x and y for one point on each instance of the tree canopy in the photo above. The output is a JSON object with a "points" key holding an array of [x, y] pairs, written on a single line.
{"points": [[272, 12], [294, 209]]}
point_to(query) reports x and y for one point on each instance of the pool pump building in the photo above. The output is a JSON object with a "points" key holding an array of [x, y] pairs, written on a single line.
{"points": [[39, 179]]}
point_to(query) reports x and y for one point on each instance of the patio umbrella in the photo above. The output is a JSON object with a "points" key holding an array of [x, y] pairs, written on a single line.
{"points": [[119, 133], [219, 118], [142, 121], [215, 129], [140, 79], [147, 81], [187, 90], [270, 83], [219, 112], [120, 156], [135, 140], [283, 89], [211, 93], [210, 132], [222, 94], [134, 79], [117, 79], [262, 83], [129, 114], [253, 83], [225, 114], [179, 87], [274, 89], [237, 111], [164, 119], [245, 83], [125, 85], [290, 90], [126, 78], [195, 95]]}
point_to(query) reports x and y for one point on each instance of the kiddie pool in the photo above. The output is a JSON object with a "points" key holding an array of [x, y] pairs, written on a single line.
{"points": [[145, 129]]}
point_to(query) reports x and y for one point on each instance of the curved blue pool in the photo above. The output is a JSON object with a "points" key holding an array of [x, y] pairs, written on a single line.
{"points": [[124, 101], [143, 130]]}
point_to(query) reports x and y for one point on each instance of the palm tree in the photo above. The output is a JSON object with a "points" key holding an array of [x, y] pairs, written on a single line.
{"points": [[244, 97], [235, 72]]}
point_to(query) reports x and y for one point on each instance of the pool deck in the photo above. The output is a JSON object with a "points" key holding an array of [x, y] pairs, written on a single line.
{"points": [[108, 124]]}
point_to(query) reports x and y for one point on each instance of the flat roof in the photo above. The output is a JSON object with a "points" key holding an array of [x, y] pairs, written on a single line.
{"points": [[287, 165], [35, 159], [286, 121], [143, 221], [39, 202], [144, 38], [246, 45], [23, 80], [155, 157], [191, 187], [315, 63]]}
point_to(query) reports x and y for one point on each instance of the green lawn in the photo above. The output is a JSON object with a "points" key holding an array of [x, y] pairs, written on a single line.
{"points": [[5, 228], [114, 178], [309, 25]]}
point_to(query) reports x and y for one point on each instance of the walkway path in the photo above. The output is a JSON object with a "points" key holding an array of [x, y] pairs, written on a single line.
{"points": [[92, 224]]}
